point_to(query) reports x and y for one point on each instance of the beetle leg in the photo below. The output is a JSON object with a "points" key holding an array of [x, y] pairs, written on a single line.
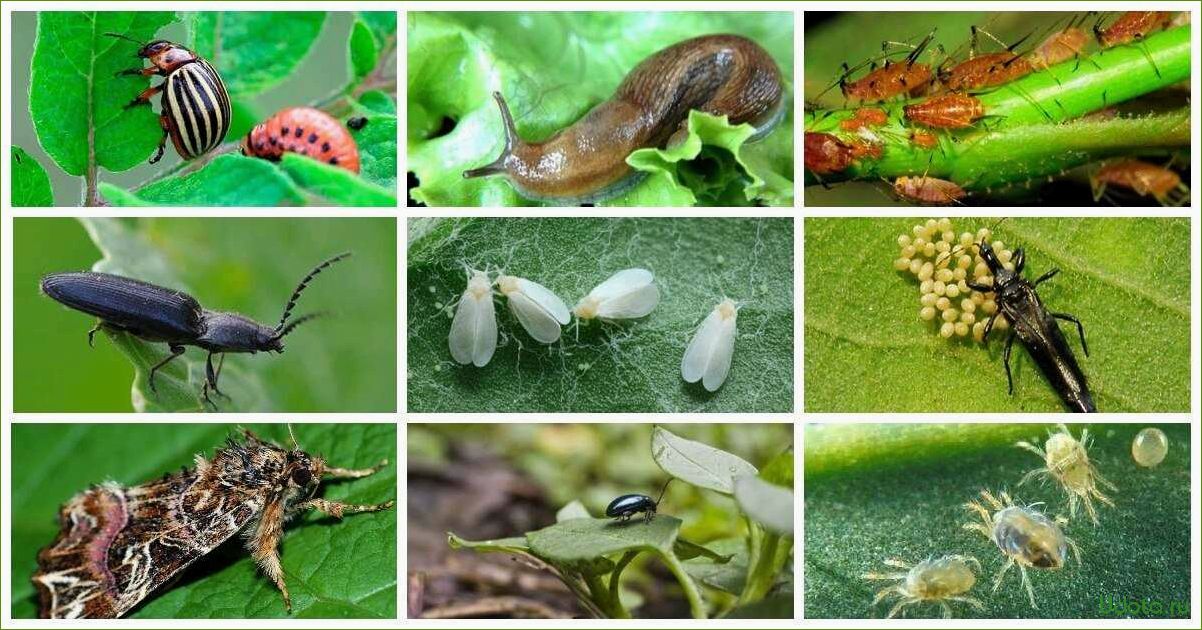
{"points": [[1080, 329], [1047, 276], [145, 72], [176, 350], [165, 124], [1006, 360], [212, 375], [649, 516], [93, 331], [144, 97]]}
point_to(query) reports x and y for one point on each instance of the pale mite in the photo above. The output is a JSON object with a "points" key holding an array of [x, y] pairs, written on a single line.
{"points": [[707, 359], [937, 581], [628, 294], [536, 307], [1067, 462], [1149, 447], [473, 338], [1024, 535]]}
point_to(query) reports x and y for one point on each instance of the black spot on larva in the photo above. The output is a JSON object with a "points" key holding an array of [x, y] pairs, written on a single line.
{"points": [[312, 138], [325, 147], [273, 140], [284, 131], [300, 131], [334, 161]]}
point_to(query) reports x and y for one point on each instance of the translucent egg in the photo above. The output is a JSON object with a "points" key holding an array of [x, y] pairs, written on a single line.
{"points": [[1149, 447]]}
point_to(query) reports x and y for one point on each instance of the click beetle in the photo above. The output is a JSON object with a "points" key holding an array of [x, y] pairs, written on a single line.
{"points": [[1036, 327], [158, 314], [627, 505]]}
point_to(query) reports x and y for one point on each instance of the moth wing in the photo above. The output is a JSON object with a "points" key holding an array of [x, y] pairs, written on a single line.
{"points": [[547, 299], [707, 359], [473, 337], [538, 321], [723, 350], [621, 283], [634, 303]]}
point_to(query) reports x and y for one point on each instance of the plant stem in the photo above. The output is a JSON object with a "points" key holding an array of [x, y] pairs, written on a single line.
{"points": [[614, 576], [766, 562], [691, 592]]}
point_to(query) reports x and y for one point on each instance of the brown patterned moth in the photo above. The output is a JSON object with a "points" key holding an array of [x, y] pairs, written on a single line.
{"points": [[117, 545]]}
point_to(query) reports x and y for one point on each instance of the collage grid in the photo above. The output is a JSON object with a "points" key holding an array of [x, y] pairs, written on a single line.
{"points": [[441, 406]]}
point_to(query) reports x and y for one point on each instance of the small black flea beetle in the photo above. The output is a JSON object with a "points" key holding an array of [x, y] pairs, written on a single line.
{"points": [[627, 505], [158, 314]]}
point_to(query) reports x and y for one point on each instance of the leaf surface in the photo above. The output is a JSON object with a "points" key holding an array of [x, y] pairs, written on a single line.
{"points": [[30, 184], [255, 50]]}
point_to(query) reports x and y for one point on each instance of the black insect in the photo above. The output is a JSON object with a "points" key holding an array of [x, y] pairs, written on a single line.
{"points": [[158, 314], [1036, 327], [627, 505]]}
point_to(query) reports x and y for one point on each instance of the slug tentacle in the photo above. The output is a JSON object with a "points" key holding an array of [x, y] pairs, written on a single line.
{"points": [[723, 75]]}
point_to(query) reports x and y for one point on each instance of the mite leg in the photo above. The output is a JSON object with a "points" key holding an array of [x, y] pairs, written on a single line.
{"points": [[165, 124], [145, 96], [1047, 276], [176, 350], [338, 509], [353, 473], [1080, 329], [93, 331], [1006, 361]]}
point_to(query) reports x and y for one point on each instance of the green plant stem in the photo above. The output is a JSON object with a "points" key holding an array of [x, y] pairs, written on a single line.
{"points": [[691, 592], [614, 576], [599, 593]]}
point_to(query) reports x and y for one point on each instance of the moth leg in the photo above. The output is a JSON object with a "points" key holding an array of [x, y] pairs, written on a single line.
{"points": [[176, 350], [1006, 361], [337, 509], [1080, 329], [264, 547], [93, 331], [353, 473]]}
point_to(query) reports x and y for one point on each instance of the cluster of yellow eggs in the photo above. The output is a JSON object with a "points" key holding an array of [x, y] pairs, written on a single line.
{"points": [[945, 264]]}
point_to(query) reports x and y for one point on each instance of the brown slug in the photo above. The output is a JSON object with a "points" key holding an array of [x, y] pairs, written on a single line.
{"points": [[586, 162]]}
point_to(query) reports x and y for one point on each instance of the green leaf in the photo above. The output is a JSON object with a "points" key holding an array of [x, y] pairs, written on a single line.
{"points": [[243, 118], [31, 185], [455, 61], [377, 150], [686, 550], [575, 509], [628, 366], [361, 51], [377, 102], [381, 23], [255, 50], [699, 464], [582, 540], [779, 469], [1135, 307], [877, 491], [334, 183], [516, 544], [347, 567], [767, 504], [76, 101], [251, 266], [727, 577], [227, 180]]}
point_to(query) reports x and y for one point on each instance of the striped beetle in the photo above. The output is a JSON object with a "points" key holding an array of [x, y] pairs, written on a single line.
{"points": [[196, 107]]}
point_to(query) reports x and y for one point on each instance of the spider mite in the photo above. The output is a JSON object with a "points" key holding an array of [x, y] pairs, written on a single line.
{"points": [[938, 581], [1143, 178], [988, 69], [928, 190], [947, 111], [119, 544], [1024, 535], [864, 117], [825, 154], [1131, 26], [1067, 462], [904, 78]]}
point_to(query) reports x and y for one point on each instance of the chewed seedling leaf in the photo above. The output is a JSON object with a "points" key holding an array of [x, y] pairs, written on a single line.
{"points": [[697, 463]]}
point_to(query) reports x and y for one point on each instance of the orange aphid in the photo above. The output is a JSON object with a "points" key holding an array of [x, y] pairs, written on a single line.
{"points": [[1132, 26], [924, 140], [864, 117], [948, 111], [1141, 177], [986, 70], [928, 190], [1059, 46], [862, 148], [824, 153]]}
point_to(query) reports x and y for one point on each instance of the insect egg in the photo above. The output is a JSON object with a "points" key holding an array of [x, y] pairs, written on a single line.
{"points": [[927, 286], [947, 330], [950, 315], [901, 264], [707, 359], [903, 240], [1149, 447], [928, 299], [927, 313], [536, 307], [915, 266], [961, 329], [942, 303], [952, 290]]}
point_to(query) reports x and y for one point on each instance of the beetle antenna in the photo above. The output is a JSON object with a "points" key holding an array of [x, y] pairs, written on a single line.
{"points": [[292, 325], [300, 288], [127, 37], [663, 490]]}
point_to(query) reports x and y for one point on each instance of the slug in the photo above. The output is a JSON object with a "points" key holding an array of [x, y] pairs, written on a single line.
{"points": [[586, 162]]}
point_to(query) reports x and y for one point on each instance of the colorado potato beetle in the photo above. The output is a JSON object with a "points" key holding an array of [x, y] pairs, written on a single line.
{"points": [[195, 105], [306, 131]]}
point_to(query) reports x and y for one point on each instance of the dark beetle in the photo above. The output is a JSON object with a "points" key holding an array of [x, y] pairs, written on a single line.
{"points": [[627, 505], [1036, 327], [153, 313]]}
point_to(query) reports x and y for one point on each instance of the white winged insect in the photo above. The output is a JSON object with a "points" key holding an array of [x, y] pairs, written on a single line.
{"points": [[707, 359], [628, 294], [537, 308], [473, 337]]}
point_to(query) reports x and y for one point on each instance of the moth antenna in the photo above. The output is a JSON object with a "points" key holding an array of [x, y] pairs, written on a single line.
{"points": [[304, 284], [511, 138], [308, 317], [663, 490], [292, 436]]}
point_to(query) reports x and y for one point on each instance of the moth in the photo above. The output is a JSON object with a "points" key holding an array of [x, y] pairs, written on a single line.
{"points": [[117, 545]]}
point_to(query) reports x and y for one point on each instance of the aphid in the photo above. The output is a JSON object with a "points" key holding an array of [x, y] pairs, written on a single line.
{"points": [[928, 190], [924, 140], [473, 337], [937, 581], [861, 149], [1034, 325], [1024, 535], [304, 131], [985, 70], [1132, 26], [1149, 447], [1143, 178], [158, 314], [707, 359], [825, 153], [947, 111], [119, 544], [905, 78], [1067, 461], [1059, 46], [628, 294], [536, 307], [195, 105], [627, 505], [864, 117]]}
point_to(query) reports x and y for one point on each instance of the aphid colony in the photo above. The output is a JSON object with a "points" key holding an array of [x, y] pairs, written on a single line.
{"points": [[945, 264], [626, 295], [1024, 535]]}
